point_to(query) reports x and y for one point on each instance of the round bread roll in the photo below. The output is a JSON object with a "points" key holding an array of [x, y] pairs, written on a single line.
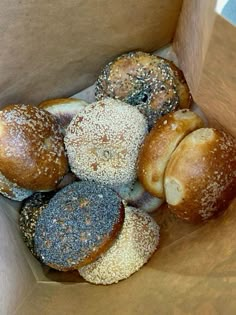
{"points": [[12, 190], [134, 195], [80, 222], [153, 84], [103, 142], [64, 109], [200, 178], [135, 245], [32, 153], [160, 144]]}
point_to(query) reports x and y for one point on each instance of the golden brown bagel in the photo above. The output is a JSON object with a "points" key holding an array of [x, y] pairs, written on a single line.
{"points": [[200, 178], [159, 145], [32, 151]]}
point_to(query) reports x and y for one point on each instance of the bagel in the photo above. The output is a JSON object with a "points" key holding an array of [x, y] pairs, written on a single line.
{"points": [[80, 223], [158, 146], [135, 245], [200, 178], [103, 142], [154, 84], [32, 153]]}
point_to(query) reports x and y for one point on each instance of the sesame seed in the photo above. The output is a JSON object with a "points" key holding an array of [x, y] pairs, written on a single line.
{"points": [[104, 146]]}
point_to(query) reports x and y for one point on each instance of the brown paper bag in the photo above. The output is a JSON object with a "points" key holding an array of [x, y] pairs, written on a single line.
{"points": [[55, 49]]}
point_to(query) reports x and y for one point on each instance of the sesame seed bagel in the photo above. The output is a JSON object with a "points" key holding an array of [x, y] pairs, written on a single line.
{"points": [[160, 144], [32, 152], [64, 109], [29, 214], [153, 84], [134, 246], [200, 178], [12, 190], [103, 142], [80, 222]]}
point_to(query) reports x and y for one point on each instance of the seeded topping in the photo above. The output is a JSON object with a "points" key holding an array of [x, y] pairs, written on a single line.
{"points": [[134, 246], [30, 212], [31, 140], [104, 142], [142, 80], [79, 220]]}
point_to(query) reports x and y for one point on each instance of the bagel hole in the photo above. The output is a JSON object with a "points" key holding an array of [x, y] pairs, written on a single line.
{"points": [[163, 88], [144, 98], [107, 154], [173, 191]]}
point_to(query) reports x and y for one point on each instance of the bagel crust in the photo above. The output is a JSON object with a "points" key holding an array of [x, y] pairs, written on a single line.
{"points": [[200, 179], [160, 144], [63, 109], [32, 152]]}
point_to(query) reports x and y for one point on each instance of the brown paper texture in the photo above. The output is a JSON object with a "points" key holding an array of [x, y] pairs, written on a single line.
{"points": [[206, 45], [56, 48]]}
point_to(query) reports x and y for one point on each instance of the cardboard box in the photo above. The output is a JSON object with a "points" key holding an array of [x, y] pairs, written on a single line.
{"points": [[55, 49]]}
